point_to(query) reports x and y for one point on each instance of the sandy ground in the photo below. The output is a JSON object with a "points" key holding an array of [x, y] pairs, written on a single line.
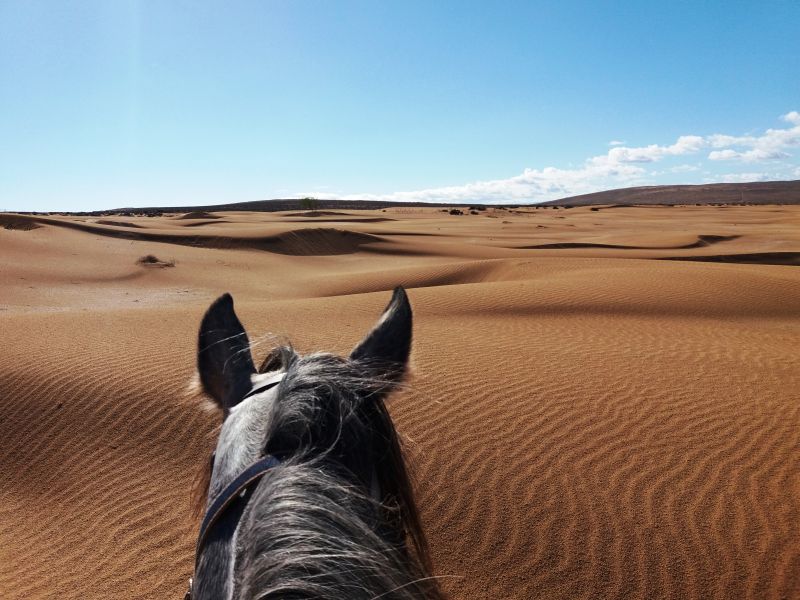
{"points": [[585, 421]]}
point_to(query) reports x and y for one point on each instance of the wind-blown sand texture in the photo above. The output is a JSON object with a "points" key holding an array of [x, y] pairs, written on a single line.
{"points": [[586, 420]]}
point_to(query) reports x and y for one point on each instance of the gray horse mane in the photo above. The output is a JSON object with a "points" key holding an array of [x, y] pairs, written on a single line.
{"points": [[312, 529], [309, 535]]}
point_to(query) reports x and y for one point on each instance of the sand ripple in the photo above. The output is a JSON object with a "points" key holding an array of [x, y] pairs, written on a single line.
{"points": [[580, 427]]}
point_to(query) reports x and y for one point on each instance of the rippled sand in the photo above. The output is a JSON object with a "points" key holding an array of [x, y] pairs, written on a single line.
{"points": [[585, 419]]}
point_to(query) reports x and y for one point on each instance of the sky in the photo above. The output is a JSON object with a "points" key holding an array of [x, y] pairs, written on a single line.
{"points": [[119, 103]]}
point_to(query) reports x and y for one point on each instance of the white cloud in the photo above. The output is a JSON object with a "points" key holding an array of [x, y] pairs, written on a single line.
{"points": [[739, 178], [770, 146], [723, 155], [531, 184], [686, 144], [754, 155], [721, 141], [684, 169], [621, 166], [792, 117]]}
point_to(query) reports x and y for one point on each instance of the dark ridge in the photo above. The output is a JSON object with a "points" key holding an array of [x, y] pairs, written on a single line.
{"points": [[118, 223], [760, 192], [301, 242], [317, 213], [201, 223], [198, 214], [766, 192], [754, 258], [334, 216], [345, 220], [410, 233], [702, 242], [15, 223], [596, 208], [276, 205]]}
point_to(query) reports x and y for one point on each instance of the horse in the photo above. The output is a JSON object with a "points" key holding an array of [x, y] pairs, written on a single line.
{"points": [[307, 494]]}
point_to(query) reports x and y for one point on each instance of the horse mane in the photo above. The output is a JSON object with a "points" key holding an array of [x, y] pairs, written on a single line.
{"points": [[306, 534]]}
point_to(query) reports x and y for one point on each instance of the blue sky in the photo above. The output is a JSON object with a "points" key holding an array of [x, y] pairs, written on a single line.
{"points": [[136, 103]]}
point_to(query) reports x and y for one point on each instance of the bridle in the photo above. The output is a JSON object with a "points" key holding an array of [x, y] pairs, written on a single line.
{"points": [[237, 492]]}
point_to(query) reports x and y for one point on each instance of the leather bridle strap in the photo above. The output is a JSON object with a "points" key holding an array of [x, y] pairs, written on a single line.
{"points": [[266, 384], [235, 490], [239, 487]]}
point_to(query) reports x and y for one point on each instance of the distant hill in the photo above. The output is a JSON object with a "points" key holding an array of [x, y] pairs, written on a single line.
{"points": [[766, 192], [278, 204]]}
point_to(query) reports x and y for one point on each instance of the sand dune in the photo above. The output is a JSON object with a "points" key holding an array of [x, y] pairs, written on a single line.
{"points": [[701, 242], [118, 223], [753, 258], [310, 241], [198, 214], [585, 420], [18, 222], [316, 213], [330, 216], [202, 223]]}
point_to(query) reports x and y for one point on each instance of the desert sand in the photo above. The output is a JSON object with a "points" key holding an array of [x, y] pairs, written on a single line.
{"points": [[585, 420]]}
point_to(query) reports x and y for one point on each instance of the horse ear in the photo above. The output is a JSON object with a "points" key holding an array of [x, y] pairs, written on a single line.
{"points": [[223, 354], [388, 345]]}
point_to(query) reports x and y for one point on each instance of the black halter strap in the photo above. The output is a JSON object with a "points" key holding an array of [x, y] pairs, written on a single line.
{"points": [[236, 490], [239, 488], [265, 385]]}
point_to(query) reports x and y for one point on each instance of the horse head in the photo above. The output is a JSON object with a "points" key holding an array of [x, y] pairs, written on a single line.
{"points": [[312, 432]]}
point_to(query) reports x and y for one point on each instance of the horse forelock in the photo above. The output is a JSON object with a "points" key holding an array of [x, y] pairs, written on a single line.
{"points": [[356, 389]]}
